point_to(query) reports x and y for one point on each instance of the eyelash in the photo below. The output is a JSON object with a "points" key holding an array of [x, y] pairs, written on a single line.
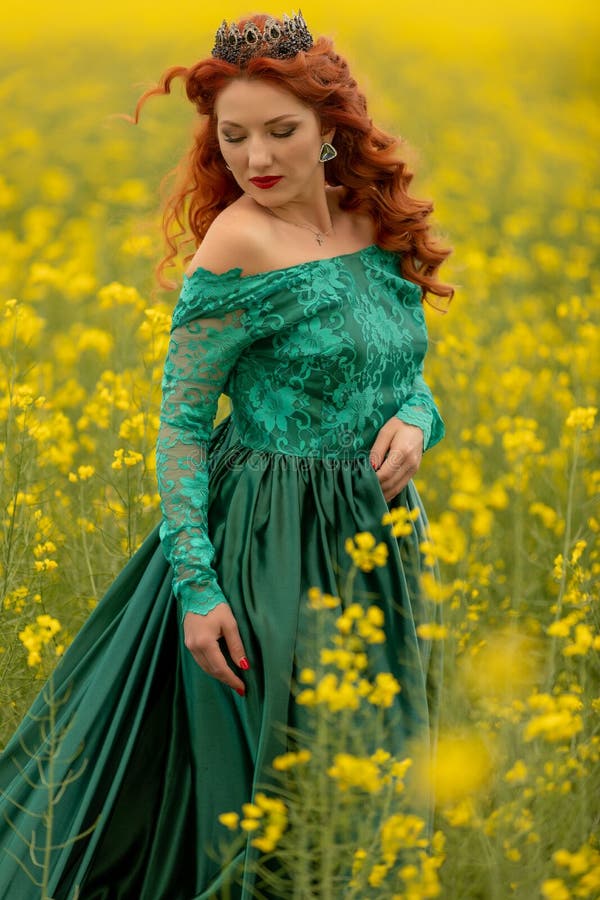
{"points": [[274, 134]]}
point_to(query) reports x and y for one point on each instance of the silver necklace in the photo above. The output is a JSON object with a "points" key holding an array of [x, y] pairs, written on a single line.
{"points": [[319, 235]]}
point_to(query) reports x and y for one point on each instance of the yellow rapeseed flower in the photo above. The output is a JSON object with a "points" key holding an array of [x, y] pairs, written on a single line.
{"points": [[118, 454], [522, 442], [547, 514], [401, 767], [265, 844], [381, 756], [45, 565], [365, 552], [577, 551], [461, 815], [128, 458], [35, 637], [137, 426], [229, 820], [401, 519], [432, 631], [584, 641], [377, 875], [401, 832], [562, 627], [434, 589], [370, 632], [117, 294], [505, 665], [15, 599], [582, 418], [511, 853], [95, 339], [354, 612], [331, 692], [517, 774], [554, 726], [358, 772], [582, 861], [272, 805], [41, 549], [375, 615], [139, 245], [345, 697], [290, 760], [307, 676], [559, 564], [446, 540], [307, 697], [384, 690], [272, 824], [317, 599], [358, 861], [555, 889], [342, 659], [462, 767]]}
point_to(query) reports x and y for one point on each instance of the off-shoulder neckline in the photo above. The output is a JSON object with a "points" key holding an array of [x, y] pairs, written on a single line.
{"points": [[236, 272]]}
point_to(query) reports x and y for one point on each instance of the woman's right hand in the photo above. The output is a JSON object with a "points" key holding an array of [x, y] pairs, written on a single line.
{"points": [[202, 634]]}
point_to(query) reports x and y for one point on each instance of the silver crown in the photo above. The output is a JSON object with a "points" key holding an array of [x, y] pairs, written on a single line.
{"points": [[279, 40]]}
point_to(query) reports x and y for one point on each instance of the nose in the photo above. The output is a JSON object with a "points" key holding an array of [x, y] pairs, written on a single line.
{"points": [[259, 154]]}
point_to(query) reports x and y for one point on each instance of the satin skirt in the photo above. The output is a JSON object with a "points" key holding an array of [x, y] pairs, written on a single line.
{"points": [[149, 750]]}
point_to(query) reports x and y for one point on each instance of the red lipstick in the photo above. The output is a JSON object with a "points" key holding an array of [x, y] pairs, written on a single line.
{"points": [[266, 181]]}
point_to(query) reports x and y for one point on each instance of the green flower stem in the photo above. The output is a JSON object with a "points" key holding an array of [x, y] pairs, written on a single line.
{"points": [[85, 546], [565, 557], [518, 548], [326, 836], [49, 815], [349, 583]]}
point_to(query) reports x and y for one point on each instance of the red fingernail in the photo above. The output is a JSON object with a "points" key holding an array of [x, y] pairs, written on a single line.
{"points": [[244, 664], [240, 692]]}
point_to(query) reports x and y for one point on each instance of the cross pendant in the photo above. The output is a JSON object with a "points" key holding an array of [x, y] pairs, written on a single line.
{"points": [[319, 239]]}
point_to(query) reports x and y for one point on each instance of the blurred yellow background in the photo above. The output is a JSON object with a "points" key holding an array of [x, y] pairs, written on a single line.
{"points": [[451, 24], [498, 103]]}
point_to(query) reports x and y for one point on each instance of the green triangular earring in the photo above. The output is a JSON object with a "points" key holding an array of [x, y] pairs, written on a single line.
{"points": [[328, 152]]}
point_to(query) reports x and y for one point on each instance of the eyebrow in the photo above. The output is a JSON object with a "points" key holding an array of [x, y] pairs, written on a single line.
{"points": [[269, 122]]}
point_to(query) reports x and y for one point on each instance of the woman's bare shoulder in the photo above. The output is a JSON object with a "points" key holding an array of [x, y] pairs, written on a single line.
{"points": [[235, 239]]}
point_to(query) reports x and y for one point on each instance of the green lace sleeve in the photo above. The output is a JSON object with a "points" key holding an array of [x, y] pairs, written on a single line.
{"points": [[420, 409], [209, 333]]}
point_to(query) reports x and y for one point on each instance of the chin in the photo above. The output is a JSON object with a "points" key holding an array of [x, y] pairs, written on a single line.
{"points": [[268, 198]]}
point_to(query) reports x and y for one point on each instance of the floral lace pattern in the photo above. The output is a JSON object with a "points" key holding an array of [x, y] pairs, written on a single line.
{"points": [[315, 358]]}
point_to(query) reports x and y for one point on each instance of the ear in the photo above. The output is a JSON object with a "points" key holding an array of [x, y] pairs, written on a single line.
{"points": [[328, 135]]}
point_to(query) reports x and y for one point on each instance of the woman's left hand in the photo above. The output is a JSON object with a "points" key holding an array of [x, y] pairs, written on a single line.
{"points": [[396, 455]]}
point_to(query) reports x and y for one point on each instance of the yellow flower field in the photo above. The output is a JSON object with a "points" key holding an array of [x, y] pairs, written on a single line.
{"points": [[499, 110]]}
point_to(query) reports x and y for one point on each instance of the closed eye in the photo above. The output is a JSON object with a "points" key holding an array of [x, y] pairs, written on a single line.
{"points": [[276, 134]]}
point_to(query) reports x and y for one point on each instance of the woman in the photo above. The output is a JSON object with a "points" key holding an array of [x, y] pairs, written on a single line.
{"points": [[303, 302]]}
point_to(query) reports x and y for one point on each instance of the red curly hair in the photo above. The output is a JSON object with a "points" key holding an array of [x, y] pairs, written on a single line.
{"points": [[375, 178]]}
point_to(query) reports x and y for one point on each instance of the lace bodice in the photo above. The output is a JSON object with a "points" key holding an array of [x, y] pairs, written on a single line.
{"points": [[315, 357]]}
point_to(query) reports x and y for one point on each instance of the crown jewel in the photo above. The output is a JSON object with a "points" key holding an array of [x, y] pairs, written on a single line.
{"points": [[279, 40]]}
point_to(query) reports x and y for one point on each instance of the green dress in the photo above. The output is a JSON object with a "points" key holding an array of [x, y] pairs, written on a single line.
{"points": [[315, 357]]}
